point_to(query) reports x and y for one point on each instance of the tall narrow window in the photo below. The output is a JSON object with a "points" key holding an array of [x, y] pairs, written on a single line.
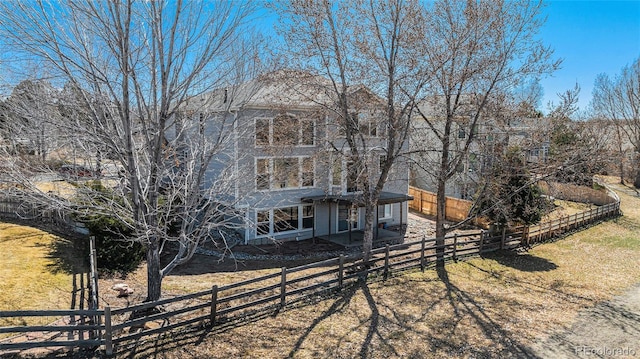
{"points": [[263, 177], [337, 173], [307, 216], [262, 223], [352, 177], [307, 129], [262, 132], [307, 172]]}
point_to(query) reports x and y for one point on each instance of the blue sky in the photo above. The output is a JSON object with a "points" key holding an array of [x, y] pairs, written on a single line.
{"points": [[592, 37]]}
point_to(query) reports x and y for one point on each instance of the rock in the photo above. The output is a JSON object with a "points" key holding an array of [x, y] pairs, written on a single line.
{"points": [[123, 289]]}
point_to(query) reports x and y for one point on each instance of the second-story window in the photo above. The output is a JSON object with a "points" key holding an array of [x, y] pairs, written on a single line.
{"points": [[263, 135], [284, 173], [285, 130]]}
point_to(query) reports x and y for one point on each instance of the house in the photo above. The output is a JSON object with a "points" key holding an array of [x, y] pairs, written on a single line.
{"points": [[292, 179], [491, 138]]}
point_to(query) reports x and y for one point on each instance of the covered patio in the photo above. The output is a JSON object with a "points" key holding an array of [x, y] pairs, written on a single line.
{"points": [[353, 237]]}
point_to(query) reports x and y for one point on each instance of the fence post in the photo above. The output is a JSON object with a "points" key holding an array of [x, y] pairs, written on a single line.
{"points": [[481, 241], [455, 246], [386, 261], [214, 304], [504, 237], [108, 334], [283, 287], [93, 262], [422, 254], [341, 271]]}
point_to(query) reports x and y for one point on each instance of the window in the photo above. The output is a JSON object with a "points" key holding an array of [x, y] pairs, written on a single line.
{"points": [[365, 123], [367, 126], [262, 223], [307, 217], [285, 130], [461, 133], [352, 177], [263, 174], [262, 131], [308, 132], [384, 211], [285, 219], [308, 173], [336, 173], [383, 161], [284, 172]]}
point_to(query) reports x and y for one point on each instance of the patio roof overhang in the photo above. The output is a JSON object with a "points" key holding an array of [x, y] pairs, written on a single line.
{"points": [[356, 198]]}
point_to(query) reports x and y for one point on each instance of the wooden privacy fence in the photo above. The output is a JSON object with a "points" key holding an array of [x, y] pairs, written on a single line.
{"points": [[425, 202], [109, 328]]}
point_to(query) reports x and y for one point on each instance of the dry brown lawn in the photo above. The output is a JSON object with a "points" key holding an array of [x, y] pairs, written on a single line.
{"points": [[31, 277]]}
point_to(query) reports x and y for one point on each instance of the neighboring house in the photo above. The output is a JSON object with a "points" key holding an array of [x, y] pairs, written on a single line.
{"points": [[289, 180], [491, 137]]}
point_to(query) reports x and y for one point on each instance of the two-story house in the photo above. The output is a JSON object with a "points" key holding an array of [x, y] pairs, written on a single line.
{"points": [[292, 179]]}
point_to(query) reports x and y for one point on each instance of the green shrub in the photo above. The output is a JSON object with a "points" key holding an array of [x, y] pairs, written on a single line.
{"points": [[115, 254]]}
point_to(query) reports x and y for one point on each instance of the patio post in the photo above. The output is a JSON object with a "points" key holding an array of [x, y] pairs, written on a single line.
{"points": [[401, 212], [349, 222], [377, 222], [329, 220], [313, 235]]}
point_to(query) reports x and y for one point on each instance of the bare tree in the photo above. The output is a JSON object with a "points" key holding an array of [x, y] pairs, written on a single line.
{"points": [[474, 51], [135, 65], [32, 117], [618, 100], [367, 51]]}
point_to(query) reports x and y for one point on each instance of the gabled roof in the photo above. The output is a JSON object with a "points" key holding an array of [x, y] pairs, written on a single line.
{"points": [[283, 88]]}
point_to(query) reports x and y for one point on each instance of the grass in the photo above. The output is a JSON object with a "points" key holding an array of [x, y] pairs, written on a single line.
{"points": [[32, 277]]}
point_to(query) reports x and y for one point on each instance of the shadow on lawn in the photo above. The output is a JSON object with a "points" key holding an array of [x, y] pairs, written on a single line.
{"points": [[524, 262], [464, 304], [68, 256], [384, 324]]}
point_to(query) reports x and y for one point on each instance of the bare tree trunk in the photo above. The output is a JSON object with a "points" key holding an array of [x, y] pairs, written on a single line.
{"points": [[367, 241], [636, 181], [441, 205], [154, 273]]}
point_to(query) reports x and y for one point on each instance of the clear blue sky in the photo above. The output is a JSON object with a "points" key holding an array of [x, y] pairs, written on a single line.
{"points": [[592, 37]]}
